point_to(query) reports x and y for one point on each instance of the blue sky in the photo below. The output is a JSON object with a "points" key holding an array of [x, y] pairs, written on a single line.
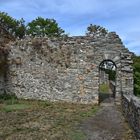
{"points": [[121, 16]]}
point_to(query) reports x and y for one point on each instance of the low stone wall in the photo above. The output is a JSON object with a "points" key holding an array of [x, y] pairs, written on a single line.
{"points": [[131, 111]]}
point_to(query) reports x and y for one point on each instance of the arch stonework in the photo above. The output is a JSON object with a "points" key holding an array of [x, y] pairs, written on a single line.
{"points": [[66, 69]]}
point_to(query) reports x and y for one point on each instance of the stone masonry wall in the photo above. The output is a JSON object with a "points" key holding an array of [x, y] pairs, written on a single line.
{"points": [[5, 38], [131, 111], [65, 69]]}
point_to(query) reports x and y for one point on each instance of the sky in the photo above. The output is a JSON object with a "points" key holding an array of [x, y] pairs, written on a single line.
{"points": [[74, 16]]}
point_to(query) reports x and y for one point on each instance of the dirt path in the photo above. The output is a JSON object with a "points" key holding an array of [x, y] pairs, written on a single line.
{"points": [[107, 124]]}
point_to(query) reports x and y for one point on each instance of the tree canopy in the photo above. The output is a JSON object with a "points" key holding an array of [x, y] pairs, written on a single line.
{"points": [[15, 27], [44, 27], [96, 29], [40, 26]]}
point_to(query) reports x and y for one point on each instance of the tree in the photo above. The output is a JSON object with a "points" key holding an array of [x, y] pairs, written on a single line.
{"points": [[44, 27], [92, 29], [136, 67], [14, 27], [21, 28]]}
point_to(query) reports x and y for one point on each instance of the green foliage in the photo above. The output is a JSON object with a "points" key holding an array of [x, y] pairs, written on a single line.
{"points": [[42, 27], [111, 73], [77, 135], [21, 29], [136, 67], [104, 88], [14, 27], [11, 103], [96, 29], [7, 96], [108, 67], [8, 99], [15, 107]]}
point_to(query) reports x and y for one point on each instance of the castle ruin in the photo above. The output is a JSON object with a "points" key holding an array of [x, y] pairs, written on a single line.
{"points": [[65, 69]]}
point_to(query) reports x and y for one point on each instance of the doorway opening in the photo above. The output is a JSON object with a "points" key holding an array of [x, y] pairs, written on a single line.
{"points": [[107, 81]]}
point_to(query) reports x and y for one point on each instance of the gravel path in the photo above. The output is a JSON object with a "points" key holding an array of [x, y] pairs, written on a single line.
{"points": [[107, 124]]}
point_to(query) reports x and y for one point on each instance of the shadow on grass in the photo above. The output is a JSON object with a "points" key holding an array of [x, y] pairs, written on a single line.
{"points": [[104, 96]]}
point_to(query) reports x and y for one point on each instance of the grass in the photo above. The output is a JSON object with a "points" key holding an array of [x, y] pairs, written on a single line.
{"points": [[77, 135], [15, 107], [104, 92], [42, 119], [11, 103], [104, 88]]}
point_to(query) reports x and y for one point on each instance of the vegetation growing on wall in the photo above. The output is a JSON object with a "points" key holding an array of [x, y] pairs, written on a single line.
{"points": [[136, 66], [96, 29]]}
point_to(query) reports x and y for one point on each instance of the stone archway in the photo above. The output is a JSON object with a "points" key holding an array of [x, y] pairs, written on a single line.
{"points": [[124, 71], [115, 58], [107, 81]]}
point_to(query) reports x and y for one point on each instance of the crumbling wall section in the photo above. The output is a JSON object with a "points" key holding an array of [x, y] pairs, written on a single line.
{"points": [[51, 70], [63, 69], [5, 38]]}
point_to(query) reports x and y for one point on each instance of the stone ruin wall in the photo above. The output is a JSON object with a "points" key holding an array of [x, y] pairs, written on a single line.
{"points": [[66, 69], [131, 111], [5, 38]]}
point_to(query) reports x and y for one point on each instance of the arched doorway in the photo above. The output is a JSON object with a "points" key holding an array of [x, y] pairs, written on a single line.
{"points": [[107, 81]]}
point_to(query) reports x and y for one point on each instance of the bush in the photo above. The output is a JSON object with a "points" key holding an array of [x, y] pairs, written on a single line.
{"points": [[8, 98], [136, 67]]}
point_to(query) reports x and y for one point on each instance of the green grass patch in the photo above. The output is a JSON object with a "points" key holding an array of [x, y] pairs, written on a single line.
{"points": [[77, 135], [15, 107], [11, 103], [104, 88], [89, 113]]}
